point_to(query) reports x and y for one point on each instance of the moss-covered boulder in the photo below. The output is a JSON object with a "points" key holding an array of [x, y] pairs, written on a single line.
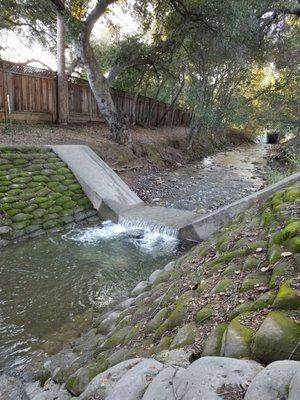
{"points": [[185, 336], [223, 285], [287, 298], [203, 314], [157, 320], [237, 339], [117, 338], [255, 279], [277, 338], [213, 343]]}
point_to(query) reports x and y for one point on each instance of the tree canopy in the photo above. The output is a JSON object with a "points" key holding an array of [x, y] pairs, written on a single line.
{"points": [[232, 63]]}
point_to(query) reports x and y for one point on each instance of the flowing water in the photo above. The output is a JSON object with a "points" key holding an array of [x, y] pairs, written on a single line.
{"points": [[47, 282]]}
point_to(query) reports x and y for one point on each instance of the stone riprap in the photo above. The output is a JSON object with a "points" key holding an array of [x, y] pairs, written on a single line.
{"points": [[38, 193], [210, 378]]}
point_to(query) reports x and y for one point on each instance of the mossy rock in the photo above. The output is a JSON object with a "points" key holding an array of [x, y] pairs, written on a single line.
{"points": [[50, 216], [39, 213], [213, 343], [164, 344], [40, 200], [251, 263], [274, 253], [259, 244], [51, 224], [203, 314], [117, 338], [287, 298], [21, 217], [47, 205], [62, 200], [282, 270], [254, 279], [33, 228], [74, 186], [277, 339], [157, 320], [185, 336], [14, 192], [223, 286], [292, 194], [291, 230], [57, 178], [66, 212], [176, 317], [18, 226], [237, 339], [293, 244]]}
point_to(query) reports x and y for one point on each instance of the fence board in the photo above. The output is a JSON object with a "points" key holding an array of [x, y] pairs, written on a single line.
{"points": [[33, 97]]}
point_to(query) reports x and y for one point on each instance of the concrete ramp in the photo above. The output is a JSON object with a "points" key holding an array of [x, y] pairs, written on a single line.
{"points": [[108, 193]]}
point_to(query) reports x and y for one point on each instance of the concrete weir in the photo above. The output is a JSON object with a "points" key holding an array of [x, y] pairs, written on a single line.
{"points": [[114, 200]]}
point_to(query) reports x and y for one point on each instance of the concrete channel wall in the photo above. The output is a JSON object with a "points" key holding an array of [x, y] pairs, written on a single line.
{"points": [[113, 199]]}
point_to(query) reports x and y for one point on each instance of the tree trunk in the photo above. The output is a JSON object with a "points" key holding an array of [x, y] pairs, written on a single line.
{"points": [[62, 82], [172, 102], [118, 122]]}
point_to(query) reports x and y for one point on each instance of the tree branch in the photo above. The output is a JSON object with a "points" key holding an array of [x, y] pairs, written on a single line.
{"points": [[96, 13]]}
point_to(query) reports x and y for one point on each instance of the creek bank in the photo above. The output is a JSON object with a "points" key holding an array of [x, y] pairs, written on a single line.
{"points": [[234, 295]]}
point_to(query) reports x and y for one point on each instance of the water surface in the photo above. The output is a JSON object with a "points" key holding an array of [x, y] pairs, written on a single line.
{"points": [[48, 281]]}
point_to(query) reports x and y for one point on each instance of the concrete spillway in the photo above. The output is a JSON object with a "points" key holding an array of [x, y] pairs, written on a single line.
{"points": [[114, 200]]}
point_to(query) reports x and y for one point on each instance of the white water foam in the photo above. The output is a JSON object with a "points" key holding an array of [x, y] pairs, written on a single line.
{"points": [[148, 238]]}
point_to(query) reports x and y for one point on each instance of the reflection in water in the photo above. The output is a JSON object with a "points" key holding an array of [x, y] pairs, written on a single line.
{"points": [[46, 282]]}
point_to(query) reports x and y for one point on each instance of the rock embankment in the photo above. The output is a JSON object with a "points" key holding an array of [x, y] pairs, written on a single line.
{"points": [[210, 378], [235, 295], [38, 193]]}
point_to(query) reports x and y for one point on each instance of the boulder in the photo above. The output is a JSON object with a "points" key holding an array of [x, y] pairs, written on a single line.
{"points": [[157, 320], [205, 377], [11, 389], [213, 344], [162, 386], [287, 298], [152, 278], [134, 383], [101, 384], [185, 336], [236, 340], [277, 338], [140, 287], [275, 382], [178, 357], [170, 266]]}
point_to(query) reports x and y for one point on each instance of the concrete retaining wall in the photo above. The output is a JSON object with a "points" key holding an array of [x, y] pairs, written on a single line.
{"points": [[203, 227]]}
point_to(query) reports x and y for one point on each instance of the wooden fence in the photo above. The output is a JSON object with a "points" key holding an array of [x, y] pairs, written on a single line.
{"points": [[30, 94]]}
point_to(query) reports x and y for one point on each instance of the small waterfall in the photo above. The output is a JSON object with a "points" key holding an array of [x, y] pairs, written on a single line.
{"points": [[135, 223]]}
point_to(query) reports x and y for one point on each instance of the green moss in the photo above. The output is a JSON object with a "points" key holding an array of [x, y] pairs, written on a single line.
{"points": [[293, 244], [288, 232], [117, 338], [274, 253], [251, 263], [223, 286], [204, 314], [175, 318], [277, 339], [292, 194], [287, 298], [213, 344], [254, 279], [237, 339], [184, 337], [157, 320], [164, 344]]}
